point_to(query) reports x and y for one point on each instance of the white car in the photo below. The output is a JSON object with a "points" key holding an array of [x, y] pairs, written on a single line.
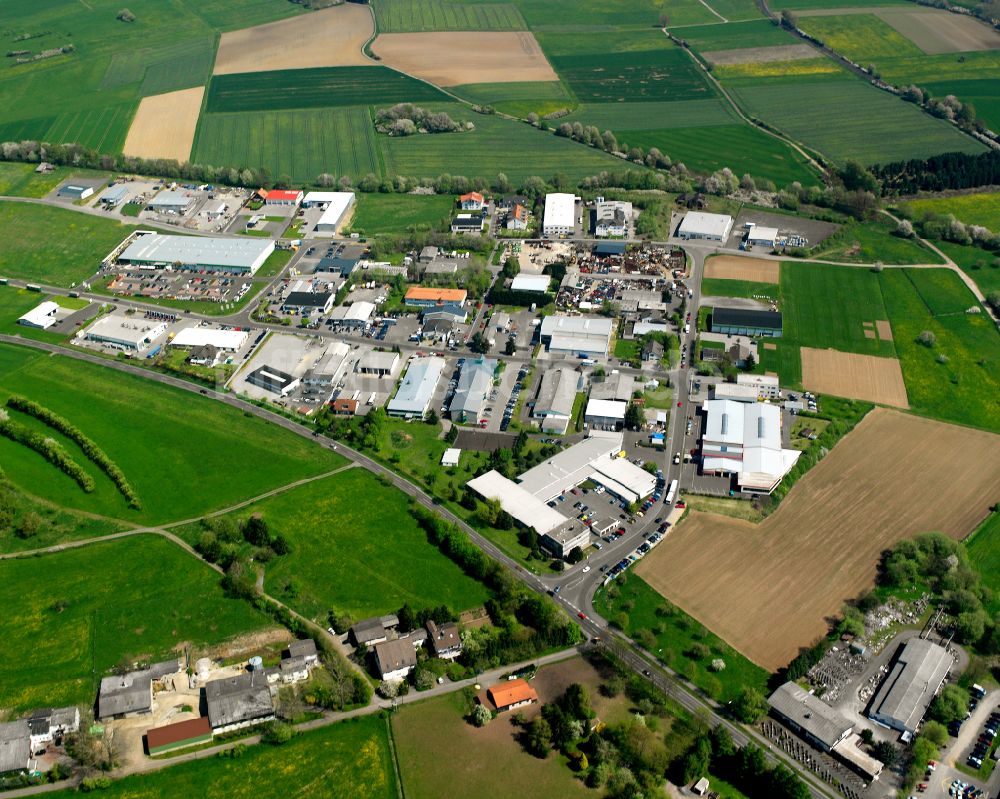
{"points": [[586, 569]]}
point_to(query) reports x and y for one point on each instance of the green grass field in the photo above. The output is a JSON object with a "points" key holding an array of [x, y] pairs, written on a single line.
{"points": [[52, 245], [205, 455], [973, 209], [348, 760], [825, 306], [392, 213], [518, 99], [589, 15], [632, 604], [404, 16], [735, 36], [496, 145], [15, 302], [871, 242], [982, 266], [716, 287], [803, 5], [785, 359], [983, 547], [21, 180], [654, 115], [741, 148], [983, 93], [315, 88], [848, 119], [863, 38], [71, 616], [303, 145], [357, 550], [965, 387], [942, 292]]}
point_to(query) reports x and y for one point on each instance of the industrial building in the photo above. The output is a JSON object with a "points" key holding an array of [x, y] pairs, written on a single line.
{"points": [[554, 405], [560, 215], [587, 335], [474, 384], [605, 414], [811, 717], [240, 701], [413, 398], [744, 439], [73, 191], [700, 225], [240, 256], [273, 380], [535, 283], [131, 694], [378, 363], [357, 314], [525, 508], [325, 371], [114, 196], [911, 684], [766, 385], [757, 236], [15, 747], [734, 392], [616, 386], [337, 204], [744, 322], [307, 302], [171, 202], [563, 540], [226, 340], [611, 218], [282, 196], [128, 333], [42, 316], [428, 297]]}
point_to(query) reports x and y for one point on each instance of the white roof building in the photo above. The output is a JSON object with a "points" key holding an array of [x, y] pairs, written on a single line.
{"points": [[417, 388], [744, 438], [357, 313], [766, 385], [539, 283], [560, 214], [766, 236], [582, 334], [569, 468], [126, 332], [451, 456], [642, 328], [700, 225], [520, 503], [230, 340], [734, 392], [327, 367], [42, 316], [605, 412], [238, 255], [338, 203], [171, 201]]}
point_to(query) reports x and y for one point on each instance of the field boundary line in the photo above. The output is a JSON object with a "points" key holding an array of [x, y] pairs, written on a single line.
{"points": [[713, 10], [391, 738]]}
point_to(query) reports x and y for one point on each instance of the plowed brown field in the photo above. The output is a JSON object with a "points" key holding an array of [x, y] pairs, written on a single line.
{"points": [[768, 589], [733, 267], [847, 374], [164, 125]]}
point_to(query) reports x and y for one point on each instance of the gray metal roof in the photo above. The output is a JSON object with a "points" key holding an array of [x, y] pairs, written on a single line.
{"points": [[810, 713], [474, 383], [558, 391], [15, 746], [417, 388], [171, 199], [126, 693], [911, 684], [394, 655], [305, 647], [159, 248], [243, 697]]}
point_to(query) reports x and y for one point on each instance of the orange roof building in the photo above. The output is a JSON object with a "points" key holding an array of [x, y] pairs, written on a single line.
{"points": [[511, 694], [471, 201], [423, 296]]}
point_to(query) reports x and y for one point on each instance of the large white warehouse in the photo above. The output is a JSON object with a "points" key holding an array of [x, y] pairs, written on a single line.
{"points": [[560, 214], [238, 256]]}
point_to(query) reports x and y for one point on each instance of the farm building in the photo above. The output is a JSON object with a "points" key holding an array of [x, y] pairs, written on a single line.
{"points": [[42, 316], [114, 196], [444, 639], [617, 386], [700, 225], [511, 694], [304, 648], [605, 414], [378, 363], [563, 540], [517, 218], [128, 333], [527, 509], [282, 197], [239, 701], [473, 201], [289, 670], [395, 659], [369, 632], [171, 202], [587, 335], [560, 215], [744, 322], [357, 314], [47, 723], [178, 736], [239, 256], [124, 695], [470, 224], [226, 340], [413, 398], [911, 684], [273, 380], [612, 218], [744, 439], [811, 717], [474, 384], [533, 283], [307, 302], [428, 297], [554, 404], [327, 368], [758, 236], [15, 747], [337, 204], [766, 385], [74, 191]]}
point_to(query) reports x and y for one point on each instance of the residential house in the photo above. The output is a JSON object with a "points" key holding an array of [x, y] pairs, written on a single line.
{"points": [[395, 659], [369, 632], [517, 218], [511, 694], [473, 201], [445, 640]]}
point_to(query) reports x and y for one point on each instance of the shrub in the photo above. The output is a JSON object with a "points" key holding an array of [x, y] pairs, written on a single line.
{"points": [[49, 449]]}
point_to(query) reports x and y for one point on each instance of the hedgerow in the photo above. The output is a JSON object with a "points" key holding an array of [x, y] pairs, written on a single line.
{"points": [[49, 449]]}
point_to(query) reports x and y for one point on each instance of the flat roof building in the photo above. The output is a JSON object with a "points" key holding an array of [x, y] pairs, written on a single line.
{"points": [[242, 256], [474, 384], [338, 203], [129, 333], [416, 391], [911, 684], [42, 316], [745, 322], [734, 392], [426, 296], [227, 340], [618, 386], [328, 366], [171, 202], [765, 385], [744, 439], [554, 404], [587, 335], [470, 224], [306, 302], [535, 283], [357, 314], [810, 716], [527, 509], [564, 539], [378, 363], [611, 218], [701, 225], [758, 236], [559, 218], [605, 414], [273, 380]]}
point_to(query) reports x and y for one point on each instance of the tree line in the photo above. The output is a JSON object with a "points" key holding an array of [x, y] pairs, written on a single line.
{"points": [[48, 448]]}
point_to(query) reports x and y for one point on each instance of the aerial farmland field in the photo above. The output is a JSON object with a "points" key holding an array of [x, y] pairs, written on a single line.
{"points": [[973, 209], [406, 16], [61, 617], [768, 589]]}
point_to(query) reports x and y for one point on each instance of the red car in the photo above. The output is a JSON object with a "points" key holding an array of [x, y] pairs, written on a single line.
{"points": [[680, 505], [582, 615], [678, 404]]}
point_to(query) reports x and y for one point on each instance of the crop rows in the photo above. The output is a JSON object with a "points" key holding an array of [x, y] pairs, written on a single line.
{"points": [[665, 74], [103, 128], [404, 16]]}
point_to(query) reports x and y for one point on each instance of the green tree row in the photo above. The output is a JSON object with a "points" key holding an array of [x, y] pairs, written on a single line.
{"points": [[49, 449]]}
